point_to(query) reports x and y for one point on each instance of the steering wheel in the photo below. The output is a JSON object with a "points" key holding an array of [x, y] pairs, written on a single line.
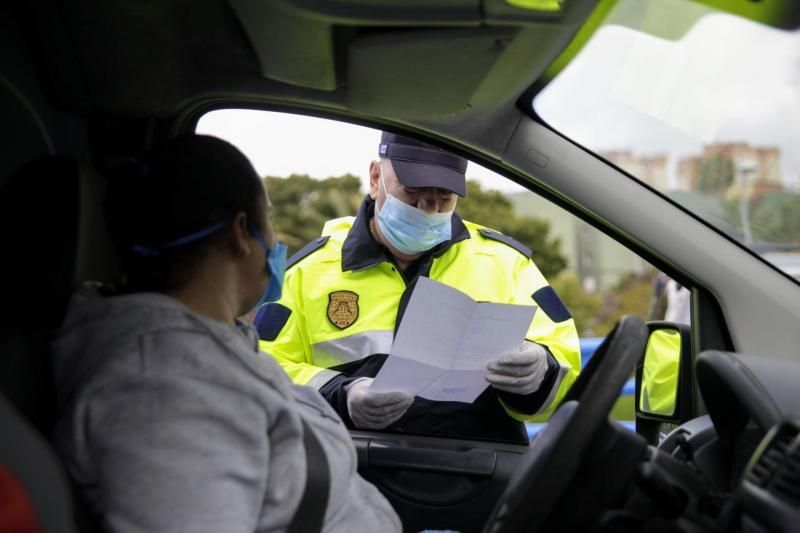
{"points": [[555, 455]]}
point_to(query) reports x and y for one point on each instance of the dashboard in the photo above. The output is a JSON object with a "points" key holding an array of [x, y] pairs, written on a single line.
{"points": [[747, 449]]}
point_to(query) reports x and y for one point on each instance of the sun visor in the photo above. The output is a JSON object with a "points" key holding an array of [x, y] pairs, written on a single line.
{"points": [[421, 74]]}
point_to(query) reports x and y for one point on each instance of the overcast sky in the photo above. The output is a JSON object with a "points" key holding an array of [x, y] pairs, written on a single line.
{"points": [[280, 144], [725, 80]]}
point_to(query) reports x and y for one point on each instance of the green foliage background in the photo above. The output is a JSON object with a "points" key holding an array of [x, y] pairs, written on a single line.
{"points": [[494, 210], [596, 313], [302, 205], [774, 217]]}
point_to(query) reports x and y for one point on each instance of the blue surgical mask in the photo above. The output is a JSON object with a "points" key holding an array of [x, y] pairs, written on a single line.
{"points": [[411, 230], [276, 264]]}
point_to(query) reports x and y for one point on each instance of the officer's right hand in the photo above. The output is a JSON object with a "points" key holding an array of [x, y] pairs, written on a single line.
{"points": [[375, 410]]}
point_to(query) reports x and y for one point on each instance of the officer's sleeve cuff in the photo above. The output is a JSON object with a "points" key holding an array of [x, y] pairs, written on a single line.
{"points": [[335, 392], [529, 404]]}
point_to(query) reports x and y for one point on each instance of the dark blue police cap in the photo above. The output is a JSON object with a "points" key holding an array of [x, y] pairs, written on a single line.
{"points": [[418, 164]]}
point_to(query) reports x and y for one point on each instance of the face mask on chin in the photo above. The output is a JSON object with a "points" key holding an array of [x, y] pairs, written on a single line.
{"points": [[411, 230]]}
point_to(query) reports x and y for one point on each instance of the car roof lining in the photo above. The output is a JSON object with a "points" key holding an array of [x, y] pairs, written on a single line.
{"points": [[136, 60], [148, 59]]}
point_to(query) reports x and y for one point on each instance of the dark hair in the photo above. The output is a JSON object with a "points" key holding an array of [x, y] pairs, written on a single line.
{"points": [[179, 188]]}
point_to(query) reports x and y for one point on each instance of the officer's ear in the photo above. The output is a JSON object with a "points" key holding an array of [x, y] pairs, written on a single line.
{"points": [[374, 179]]}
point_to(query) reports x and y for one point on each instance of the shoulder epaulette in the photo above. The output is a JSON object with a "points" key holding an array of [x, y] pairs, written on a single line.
{"points": [[508, 241], [552, 304], [307, 250]]}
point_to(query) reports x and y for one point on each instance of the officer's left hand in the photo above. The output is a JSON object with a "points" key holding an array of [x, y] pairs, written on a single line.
{"points": [[519, 372]]}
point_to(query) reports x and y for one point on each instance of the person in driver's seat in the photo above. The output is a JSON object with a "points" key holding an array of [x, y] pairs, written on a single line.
{"points": [[344, 291], [170, 417]]}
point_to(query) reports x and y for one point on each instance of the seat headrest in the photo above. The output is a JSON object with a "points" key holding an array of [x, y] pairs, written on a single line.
{"points": [[39, 225]]}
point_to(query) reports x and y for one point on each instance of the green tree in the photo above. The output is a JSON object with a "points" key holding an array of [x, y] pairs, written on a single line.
{"points": [[493, 209], [776, 218], [303, 204], [584, 306], [631, 295], [596, 314], [715, 174]]}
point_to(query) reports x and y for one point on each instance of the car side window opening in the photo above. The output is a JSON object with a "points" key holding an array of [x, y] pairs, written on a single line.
{"points": [[318, 171]]}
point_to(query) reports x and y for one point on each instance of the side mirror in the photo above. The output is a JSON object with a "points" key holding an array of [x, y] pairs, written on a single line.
{"points": [[664, 385], [658, 394]]}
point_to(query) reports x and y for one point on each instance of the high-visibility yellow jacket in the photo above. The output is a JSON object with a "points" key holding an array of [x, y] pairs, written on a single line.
{"points": [[342, 294]]}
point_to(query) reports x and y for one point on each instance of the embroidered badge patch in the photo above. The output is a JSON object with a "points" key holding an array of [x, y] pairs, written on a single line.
{"points": [[342, 308]]}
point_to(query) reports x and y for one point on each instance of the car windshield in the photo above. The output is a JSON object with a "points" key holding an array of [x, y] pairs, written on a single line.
{"points": [[701, 105]]}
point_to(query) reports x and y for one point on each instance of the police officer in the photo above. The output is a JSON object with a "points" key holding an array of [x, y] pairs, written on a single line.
{"points": [[345, 293]]}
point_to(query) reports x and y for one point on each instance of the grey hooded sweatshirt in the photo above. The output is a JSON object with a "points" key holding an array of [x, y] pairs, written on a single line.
{"points": [[170, 421]]}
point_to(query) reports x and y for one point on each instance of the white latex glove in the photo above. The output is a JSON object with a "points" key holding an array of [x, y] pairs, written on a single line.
{"points": [[375, 410], [519, 372]]}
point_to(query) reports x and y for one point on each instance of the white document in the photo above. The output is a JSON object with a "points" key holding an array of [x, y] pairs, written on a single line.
{"points": [[445, 341]]}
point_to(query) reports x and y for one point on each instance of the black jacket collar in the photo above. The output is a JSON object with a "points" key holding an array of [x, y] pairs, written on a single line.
{"points": [[361, 251]]}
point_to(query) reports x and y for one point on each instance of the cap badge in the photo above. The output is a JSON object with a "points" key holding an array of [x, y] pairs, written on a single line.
{"points": [[342, 308]]}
